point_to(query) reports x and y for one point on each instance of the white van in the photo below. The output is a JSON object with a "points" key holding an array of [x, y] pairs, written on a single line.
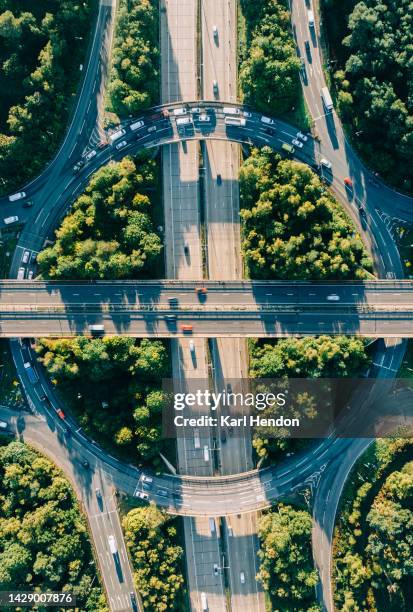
{"points": [[112, 545], [183, 121], [116, 135], [230, 110], [20, 274], [137, 125], [237, 121], [204, 602], [197, 439], [10, 220], [267, 120], [310, 16], [17, 196]]}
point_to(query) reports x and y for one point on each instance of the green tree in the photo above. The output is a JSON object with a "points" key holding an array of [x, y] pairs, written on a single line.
{"points": [[269, 72], [135, 66], [44, 543], [286, 569], [372, 41], [109, 233], [292, 228], [157, 558]]}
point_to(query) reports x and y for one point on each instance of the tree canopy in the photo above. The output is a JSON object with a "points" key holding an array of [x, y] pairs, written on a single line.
{"points": [[113, 387], [157, 558], [375, 81], [44, 541], [309, 357], [374, 538], [109, 233], [40, 54], [269, 70], [287, 569], [135, 62], [292, 227]]}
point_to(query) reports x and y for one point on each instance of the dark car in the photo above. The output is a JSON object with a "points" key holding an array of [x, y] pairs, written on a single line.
{"points": [[269, 131], [86, 464], [133, 602], [28, 204]]}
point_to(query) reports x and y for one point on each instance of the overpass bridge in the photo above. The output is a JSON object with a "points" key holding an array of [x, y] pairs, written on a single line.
{"points": [[167, 308]]}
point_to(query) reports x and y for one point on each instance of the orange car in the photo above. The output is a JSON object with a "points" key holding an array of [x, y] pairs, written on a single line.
{"points": [[187, 328], [348, 182]]}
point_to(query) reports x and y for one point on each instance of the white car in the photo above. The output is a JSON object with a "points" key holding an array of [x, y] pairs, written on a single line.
{"points": [[247, 114], [10, 220], [25, 258], [196, 110], [242, 577], [333, 297], [215, 31], [216, 569], [215, 86], [151, 129], [17, 196], [297, 143], [192, 346], [90, 155], [301, 136], [325, 162], [147, 479], [142, 495], [121, 144], [204, 118], [137, 125], [180, 111]]}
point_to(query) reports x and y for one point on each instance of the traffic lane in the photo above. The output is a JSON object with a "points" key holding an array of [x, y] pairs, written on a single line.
{"points": [[204, 294], [210, 324]]}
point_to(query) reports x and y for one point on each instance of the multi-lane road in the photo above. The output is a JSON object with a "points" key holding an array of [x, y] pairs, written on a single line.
{"points": [[233, 308]]}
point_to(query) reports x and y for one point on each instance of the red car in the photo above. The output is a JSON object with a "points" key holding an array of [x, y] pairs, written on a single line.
{"points": [[348, 182], [60, 413]]}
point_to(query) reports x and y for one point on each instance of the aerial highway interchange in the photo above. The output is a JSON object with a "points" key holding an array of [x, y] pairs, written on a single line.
{"points": [[231, 308]]}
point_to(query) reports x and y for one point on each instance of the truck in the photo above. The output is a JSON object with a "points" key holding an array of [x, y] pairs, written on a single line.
{"points": [[116, 135], [326, 98], [31, 372], [237, 121], [113, 547]]}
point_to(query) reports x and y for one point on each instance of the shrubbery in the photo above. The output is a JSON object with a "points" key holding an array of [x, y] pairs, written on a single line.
{"points": [[134, 83], [44, 543], [113, 387], [40, 54], [109, 233], [375, 80], [157, 558], [374, 542], [292, 227], [269, 70], [287, 569]]}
